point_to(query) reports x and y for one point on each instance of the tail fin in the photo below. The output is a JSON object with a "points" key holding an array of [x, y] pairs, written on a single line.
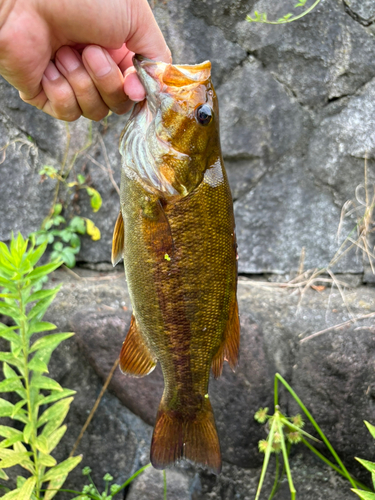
{"points": [[177, 436]]}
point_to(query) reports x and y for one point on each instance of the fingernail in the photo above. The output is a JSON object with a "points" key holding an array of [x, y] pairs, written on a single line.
{"points": [[51, 72], [97, 59], [69, 60]]}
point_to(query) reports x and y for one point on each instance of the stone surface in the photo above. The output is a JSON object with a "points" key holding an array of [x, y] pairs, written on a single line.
{"points": [[296, 117], [150, 486], [272, 321], [312, 480], [362, 11], [296, 112], [293, 197]]}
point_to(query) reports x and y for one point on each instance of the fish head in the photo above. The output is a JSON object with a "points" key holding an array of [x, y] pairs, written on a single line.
{"points": [[174, 134]]}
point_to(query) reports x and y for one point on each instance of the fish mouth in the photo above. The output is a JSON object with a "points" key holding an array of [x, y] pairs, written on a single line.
{"points": [[155, 75], [147, 73]]}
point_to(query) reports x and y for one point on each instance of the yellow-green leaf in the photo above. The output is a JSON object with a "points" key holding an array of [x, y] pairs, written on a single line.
{"points": [[27, 489], [55, 438], [41, 444], [3, 475], [47, 460], [92, 230], [62, 469], [95, 198], [11, 495]]}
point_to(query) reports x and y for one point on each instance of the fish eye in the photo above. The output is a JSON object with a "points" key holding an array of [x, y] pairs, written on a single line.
{"points": [[204, 114]]}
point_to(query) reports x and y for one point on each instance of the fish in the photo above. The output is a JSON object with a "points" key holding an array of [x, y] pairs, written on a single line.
{"points": [[176, 234]]}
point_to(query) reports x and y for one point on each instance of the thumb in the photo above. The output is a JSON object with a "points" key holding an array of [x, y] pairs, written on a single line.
{"points": [[145, 37]]}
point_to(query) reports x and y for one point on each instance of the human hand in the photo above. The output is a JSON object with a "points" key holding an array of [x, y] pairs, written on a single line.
{"points": [[84, 78]]}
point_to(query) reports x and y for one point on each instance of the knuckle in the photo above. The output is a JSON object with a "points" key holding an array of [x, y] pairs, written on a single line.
{"points": [[83, 86], [96, 116], [68, 115]]}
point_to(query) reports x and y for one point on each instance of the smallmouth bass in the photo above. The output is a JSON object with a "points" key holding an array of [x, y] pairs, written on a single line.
{"points": [[176, 233]]}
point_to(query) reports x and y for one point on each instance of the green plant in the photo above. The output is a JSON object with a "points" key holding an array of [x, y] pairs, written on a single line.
{"points": [[370, 466], [42, 403], [282, 433], [288, 18], [63, 236], [91, 492]]}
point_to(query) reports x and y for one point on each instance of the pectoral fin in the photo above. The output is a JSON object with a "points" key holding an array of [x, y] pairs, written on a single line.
{"points": [[229, 349], [158, 232], [135, 358], [118, 240]]}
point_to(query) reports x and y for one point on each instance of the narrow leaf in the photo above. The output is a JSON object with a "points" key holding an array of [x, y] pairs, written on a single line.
{"points": [[55, 438], [55, 396], [371, 428], [13, 459], [41, 271], [47, 460], [27, 489], [40, 308], [34, 256], [62, 469], [41, 382], [368, 465], [38, 365], [6, 408], [8, 432], [42, 294], [52, 340], [11, 495], [40, 326], [54, 412], [11, 384], [3, 476], [6, 443], [41, 444], [364, 495], [27, 431]]}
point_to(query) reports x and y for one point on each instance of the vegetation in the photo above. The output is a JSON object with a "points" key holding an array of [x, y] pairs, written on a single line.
{"points": [[288, 18], [283, 432], [64, 236], [42, 403]]}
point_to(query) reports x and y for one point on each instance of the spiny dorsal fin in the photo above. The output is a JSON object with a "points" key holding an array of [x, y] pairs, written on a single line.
{"points": [[118, 240], [229, 349], [135, 358]]}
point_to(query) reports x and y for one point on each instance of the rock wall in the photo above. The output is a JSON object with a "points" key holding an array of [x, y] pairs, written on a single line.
{"points": [[297, 114]]}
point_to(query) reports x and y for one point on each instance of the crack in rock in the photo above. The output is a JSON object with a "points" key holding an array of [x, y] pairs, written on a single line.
{"points": [[354, 15]]}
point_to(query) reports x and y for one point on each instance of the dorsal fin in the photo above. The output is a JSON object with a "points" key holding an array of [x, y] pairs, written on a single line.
{"points": [[135, 358], [118, 240]]}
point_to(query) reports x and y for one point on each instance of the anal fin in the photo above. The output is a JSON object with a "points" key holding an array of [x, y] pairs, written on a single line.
{"points": [[135, 358], [118, 240], [229, 349]]}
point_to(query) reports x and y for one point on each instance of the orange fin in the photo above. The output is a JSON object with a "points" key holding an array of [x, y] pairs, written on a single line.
{"points": [[135, 358], [229, 349], [118, 240], [179, 437]]}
